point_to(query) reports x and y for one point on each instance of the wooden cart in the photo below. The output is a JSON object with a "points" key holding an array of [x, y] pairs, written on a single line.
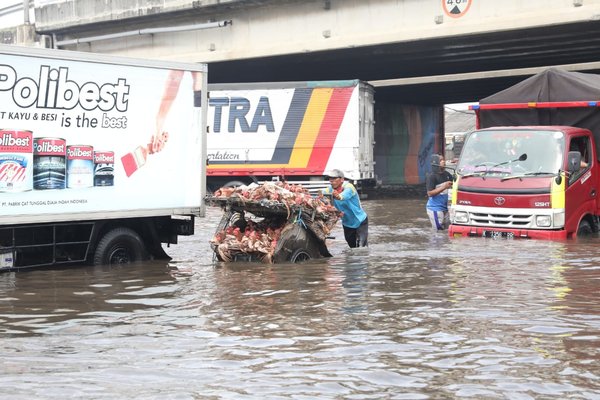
{"points": [[300, 232]]}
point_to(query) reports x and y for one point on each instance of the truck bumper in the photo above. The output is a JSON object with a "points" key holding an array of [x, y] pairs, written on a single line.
{"points": [[482, 231]]}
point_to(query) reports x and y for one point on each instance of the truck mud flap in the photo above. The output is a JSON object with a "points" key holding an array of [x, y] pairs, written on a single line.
{"points": [[183, 227]]}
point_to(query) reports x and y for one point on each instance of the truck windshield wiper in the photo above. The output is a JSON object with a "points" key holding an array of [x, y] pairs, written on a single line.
{"points": [[481, 174], [522, 157], [528, 174], [490, 169], [478, 173]]}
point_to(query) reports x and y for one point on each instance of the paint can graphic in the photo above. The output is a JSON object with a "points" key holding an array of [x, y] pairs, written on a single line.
{"points": [[49, 163], [80, 166], [16, 159], [104, 168]]}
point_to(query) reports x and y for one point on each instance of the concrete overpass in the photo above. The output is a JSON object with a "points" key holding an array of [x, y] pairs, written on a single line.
{"points": [[418, 51]]}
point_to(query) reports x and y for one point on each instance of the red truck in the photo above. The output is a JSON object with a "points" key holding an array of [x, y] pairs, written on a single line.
{"points": [[530, 170]]}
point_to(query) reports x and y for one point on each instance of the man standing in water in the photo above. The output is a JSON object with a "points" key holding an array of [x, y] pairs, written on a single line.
{"points": [[438, 182], [354, 218]]}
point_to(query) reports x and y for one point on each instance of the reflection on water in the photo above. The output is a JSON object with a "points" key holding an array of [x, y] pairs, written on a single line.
{"points": [[416, 315]]}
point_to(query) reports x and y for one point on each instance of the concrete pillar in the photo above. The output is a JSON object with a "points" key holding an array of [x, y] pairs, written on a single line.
{"points": [[25, 35]]}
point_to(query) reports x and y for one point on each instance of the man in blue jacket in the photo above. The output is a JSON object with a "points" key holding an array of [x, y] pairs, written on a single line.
{"points": [[345, 199]]}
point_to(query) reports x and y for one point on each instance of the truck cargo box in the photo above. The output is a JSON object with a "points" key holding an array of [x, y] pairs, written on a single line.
{"points": [[294, 130], [97, 147]]}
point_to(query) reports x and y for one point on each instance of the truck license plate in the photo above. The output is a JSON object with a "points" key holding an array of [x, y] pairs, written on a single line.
{"points": [[498, 235]]}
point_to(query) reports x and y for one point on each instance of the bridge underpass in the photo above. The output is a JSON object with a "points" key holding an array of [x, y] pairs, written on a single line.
{"points": [[437, 71], [375, 40], [413, 53]]}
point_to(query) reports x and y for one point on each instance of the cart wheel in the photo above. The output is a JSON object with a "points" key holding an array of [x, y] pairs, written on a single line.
{"points": [[295, 244], [300, 255]]}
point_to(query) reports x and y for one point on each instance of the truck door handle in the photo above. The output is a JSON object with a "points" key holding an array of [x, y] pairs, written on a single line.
{"points": [[593, 193]]}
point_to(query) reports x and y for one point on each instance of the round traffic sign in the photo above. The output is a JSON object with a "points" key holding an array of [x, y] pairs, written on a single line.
{"points": [[456, 8]]}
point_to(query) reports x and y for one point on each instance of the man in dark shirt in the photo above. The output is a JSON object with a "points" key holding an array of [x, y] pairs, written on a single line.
{"points": [[438, 182]]}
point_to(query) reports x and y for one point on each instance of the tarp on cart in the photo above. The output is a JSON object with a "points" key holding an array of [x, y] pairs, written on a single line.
{"points": [[551, 85]]}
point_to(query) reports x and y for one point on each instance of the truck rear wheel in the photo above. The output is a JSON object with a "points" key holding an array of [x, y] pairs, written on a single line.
{"points": [[120, 246]]}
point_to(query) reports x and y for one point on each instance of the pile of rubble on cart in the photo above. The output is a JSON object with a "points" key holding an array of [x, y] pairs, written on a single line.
{"points": [[272, 222]]}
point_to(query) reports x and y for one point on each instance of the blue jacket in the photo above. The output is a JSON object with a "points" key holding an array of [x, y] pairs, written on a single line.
{"points": [[349, 204]]}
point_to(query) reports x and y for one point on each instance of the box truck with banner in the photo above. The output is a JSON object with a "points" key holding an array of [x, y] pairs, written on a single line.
{"points": [[101, 157], [293, 131]]}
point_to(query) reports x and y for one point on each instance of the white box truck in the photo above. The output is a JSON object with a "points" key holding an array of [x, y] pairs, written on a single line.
{"points": [[102, 158], [294, 131]]}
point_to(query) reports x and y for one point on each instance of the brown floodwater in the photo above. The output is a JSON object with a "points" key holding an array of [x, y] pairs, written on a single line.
{"points": [[417, 315]]}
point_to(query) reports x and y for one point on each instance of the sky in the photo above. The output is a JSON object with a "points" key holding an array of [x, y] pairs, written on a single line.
{"points": [[9, 20], [459, 106]]}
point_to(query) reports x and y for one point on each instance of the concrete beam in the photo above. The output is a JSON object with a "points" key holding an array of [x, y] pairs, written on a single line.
{"points": [[468, 76], [71, 14], [263, 28]]}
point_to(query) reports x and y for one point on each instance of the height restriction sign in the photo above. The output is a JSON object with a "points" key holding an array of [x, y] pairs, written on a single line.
{"points": [[456, 8]]}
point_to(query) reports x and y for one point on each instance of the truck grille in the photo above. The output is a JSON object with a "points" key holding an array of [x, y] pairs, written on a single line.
{"points": [[502, 220]]}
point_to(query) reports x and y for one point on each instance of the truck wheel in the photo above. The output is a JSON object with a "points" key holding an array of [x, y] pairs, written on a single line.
{"points": [[120, 246], [300, 255], [584, 229]]}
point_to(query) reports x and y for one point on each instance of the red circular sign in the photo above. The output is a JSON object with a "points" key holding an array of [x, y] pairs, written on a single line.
{"points": [[456, 8]]}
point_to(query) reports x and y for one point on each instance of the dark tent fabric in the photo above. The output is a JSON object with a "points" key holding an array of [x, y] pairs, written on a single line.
{"points": [[550, 85]]}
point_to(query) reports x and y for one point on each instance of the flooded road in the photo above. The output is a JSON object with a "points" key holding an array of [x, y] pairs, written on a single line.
{"points": [[415, 316]]}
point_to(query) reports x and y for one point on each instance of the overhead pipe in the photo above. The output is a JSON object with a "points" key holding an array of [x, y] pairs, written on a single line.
{"points": [[26, 12], [8, 10], [147, 31]]}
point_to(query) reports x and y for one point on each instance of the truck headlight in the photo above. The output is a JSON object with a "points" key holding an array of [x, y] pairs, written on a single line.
{"points": [[543, 221], [461, 217]]}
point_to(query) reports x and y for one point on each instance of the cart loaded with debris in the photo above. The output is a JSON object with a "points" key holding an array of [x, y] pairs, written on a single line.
{"points": [[272, 222]]}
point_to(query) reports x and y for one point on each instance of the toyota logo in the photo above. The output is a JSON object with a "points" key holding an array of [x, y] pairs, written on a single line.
{"points": [[499, 201]]}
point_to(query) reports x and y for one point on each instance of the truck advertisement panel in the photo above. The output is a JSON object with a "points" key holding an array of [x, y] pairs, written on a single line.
{"points": [[84, 137], [291, 131]]}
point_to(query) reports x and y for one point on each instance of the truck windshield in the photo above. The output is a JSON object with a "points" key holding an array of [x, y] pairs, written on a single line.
{"points": [[506, 153]]}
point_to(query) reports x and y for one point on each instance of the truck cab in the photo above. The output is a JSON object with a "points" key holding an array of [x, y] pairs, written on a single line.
{"points": [[526, 181]]}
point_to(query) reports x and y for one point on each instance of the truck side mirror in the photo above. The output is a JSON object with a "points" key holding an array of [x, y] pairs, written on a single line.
{"points": [[573, 161]]}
